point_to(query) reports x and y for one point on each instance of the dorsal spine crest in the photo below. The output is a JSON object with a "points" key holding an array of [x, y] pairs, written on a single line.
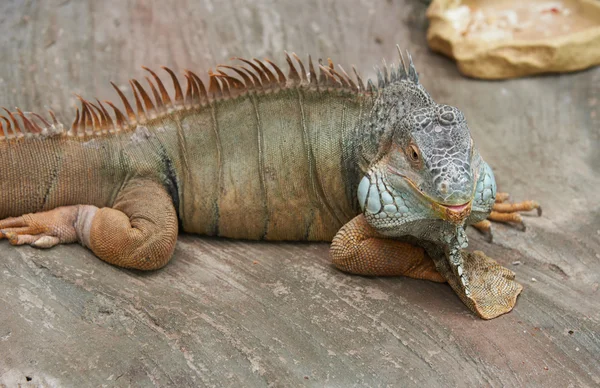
{"points": [[228, 81]]}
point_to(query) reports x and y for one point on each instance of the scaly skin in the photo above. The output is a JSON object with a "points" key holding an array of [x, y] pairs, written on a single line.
{"points": [[262, 156]]}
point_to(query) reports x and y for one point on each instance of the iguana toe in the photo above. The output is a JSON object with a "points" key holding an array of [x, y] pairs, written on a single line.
{"points": [[509, 212], [485, 227]]}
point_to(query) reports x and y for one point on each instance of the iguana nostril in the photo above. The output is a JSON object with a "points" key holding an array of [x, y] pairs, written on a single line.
{"points": [[444, 187]]}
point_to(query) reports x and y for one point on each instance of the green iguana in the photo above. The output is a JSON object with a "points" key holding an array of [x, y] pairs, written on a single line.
{"points": [[387, 174]]}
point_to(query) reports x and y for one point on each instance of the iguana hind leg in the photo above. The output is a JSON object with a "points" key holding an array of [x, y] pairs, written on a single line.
{"points": [[357, 248], [139, 231]]}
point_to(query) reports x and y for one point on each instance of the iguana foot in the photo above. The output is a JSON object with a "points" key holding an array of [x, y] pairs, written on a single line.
{"points": [[492, 288], [139, 232], [506, 212], [45, 229], [357, 248]]}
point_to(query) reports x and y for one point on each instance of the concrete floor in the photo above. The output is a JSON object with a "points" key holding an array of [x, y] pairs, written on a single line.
{"points": [[237, 313]]}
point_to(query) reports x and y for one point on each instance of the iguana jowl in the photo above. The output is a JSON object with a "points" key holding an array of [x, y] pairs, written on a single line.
{"points": [[386, 173]]}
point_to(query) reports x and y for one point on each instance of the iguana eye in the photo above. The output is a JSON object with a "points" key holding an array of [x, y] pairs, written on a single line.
{"points": [[413, 153]]}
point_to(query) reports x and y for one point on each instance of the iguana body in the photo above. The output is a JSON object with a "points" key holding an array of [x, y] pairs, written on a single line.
{"points": [[262, 156]]}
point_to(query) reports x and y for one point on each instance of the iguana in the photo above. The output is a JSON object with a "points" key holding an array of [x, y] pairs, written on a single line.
{"points": [[388, 175]]}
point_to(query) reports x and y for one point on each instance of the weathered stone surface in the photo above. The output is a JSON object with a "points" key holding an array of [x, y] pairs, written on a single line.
{"points": [[238, 313], [496, 39]]}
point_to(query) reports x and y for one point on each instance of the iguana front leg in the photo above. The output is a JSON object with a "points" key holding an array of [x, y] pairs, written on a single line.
{"points": [[139, 231], [357, 248]]}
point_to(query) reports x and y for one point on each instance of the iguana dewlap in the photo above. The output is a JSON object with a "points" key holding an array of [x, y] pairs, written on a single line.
{"points": [[385, 172]]}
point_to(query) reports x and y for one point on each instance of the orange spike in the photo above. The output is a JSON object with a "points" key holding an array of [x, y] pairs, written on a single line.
{"points": [[138, 104], [323, 74], [360, 83], [128, 108], [313, 75], [37, 127], [86, 120], [42, 119], [214, 87], [121, 119], [97, 113], [342, 80], [165, 99], [101, 119], [26, 128], [264, 80], [75, 125], [178, 92], [8, 126], [233, 82], [200, 84], [189, 94], [196, 99], [329, 77], [224, 86], [265, 69], [293, 73], [95, 121], [331, 65], [12, 128], [15, 122], [107, 119], [29, 126], [54, 120], [255, 79], [302, 69], [280, 74], [248, 83], [348, 78], [157, 98], [146, 98]]}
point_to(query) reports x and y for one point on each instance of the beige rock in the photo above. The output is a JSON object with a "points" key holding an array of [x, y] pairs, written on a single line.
{"points": [[496, 39]]}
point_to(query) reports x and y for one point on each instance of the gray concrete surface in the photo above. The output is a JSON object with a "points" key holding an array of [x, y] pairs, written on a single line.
{"points": [[235, 313]]}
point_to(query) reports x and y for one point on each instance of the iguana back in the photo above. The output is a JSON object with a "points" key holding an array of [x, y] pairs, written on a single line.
{"points": [[253, 157]]}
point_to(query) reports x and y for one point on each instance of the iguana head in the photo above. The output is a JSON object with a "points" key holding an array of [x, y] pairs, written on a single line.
{"points": [[431, 148], [423, 167]]}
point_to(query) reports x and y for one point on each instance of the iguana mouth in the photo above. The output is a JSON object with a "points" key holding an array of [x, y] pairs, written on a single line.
{"points": [[456, 208], [452, 213]]}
